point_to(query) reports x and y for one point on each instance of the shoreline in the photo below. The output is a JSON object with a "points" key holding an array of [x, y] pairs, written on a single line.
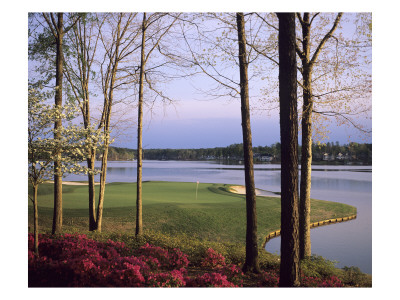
{"points": [[277, 233]]}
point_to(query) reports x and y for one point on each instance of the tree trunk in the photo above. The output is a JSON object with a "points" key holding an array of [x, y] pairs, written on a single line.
{"points": [[90, 164], [35, 220], [306, 148], [92, 191], [289, 268], [103, 176], [104, 159], [108, 102], [306, 127], [139, 221], [305, 183], [251, 264], [57, 213]]}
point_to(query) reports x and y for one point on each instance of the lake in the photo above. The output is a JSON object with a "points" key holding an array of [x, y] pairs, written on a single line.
{"points": [[348, 243]]}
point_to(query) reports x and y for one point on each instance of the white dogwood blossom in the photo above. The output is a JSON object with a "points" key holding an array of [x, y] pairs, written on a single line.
{"points": [[75, 142]]}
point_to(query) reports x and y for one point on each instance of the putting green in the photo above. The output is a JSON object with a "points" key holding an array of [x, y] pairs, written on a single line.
{"points": [[173, 207]]}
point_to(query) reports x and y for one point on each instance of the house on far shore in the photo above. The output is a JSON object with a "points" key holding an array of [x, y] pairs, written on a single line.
{"points": [[340, 156], [266, 158], [263, 157], [328, 157]]}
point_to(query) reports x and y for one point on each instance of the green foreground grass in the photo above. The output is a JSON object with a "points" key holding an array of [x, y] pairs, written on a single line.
{"points": [[174, 218], [172, 208]]}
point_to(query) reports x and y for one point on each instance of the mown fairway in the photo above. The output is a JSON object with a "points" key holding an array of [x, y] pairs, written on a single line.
{"points": [[171, 207]]}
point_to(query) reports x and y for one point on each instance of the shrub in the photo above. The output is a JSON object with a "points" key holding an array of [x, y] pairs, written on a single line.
{"points": [[72, 260], [210, 280], [174, 278], [213, 259], [172, 259], [317, 266], [354, 277], [269, 279], [75, 261], [216, 261], [331, 281], [233, 273]]}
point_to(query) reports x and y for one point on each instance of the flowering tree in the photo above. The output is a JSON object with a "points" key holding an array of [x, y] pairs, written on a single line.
{"points": [[74, 143]]}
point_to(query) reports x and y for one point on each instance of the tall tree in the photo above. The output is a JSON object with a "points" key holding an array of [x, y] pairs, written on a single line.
{"points": [[160, 30], [58, 31], [251, 263], [306, 70], [217, 48], [79, 72], [139, 219], [289, 268], [118, 46]]}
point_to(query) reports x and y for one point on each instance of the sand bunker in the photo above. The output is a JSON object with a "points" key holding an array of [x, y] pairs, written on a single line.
{"points": [[240, 189]]}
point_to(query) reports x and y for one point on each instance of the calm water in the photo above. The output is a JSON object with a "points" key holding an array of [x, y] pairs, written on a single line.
{"points": [[348, 243]]}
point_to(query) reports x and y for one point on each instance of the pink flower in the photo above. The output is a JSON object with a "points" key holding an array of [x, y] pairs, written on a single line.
{"points": [[210, 280], [213, 259]]}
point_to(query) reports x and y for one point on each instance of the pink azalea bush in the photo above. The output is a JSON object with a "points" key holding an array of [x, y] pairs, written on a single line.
{"points": [[175, 278], [269, 279], [213, 259], [231, 275], [76, 261], [172, 259], [210, 280]]}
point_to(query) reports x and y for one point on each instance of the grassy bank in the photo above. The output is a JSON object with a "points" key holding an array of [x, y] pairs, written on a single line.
{"points": [[172, 208]]}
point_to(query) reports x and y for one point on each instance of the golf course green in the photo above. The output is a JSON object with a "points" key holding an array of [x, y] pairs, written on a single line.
{"points": [[213, 213]]}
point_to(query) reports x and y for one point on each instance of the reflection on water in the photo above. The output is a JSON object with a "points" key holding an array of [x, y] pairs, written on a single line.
{"points": [[349, 243]]}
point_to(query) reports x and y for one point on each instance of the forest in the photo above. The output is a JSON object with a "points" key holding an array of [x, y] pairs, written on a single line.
{"points": [[321, 152]]}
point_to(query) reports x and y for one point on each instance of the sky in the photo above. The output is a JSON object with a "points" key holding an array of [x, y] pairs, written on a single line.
{"points": [[194, 121], [214, 123]]}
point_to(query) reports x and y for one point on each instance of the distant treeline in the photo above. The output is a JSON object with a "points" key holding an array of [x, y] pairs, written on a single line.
{"points": [[333, 153], [116, 153]]}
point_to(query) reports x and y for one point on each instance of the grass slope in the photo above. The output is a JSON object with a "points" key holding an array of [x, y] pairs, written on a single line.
{"points": [[172, 208]]}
